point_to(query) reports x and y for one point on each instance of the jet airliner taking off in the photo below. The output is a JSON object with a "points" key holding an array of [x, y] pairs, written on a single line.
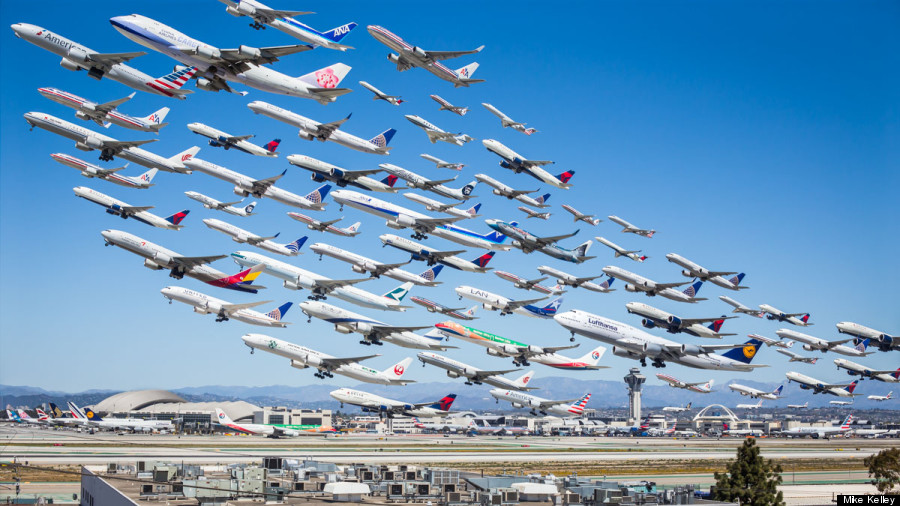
{"points": [[854, 369], [228, 207], [284, 21], [322, 171], [812, 343], [820, 387], [453, 312], [224, 310], [90, 170], [700, 388], [240, 235], [529, 284], [397, 217], [881, 398], [534, 214], [447, 106], [566, 408], [528, 242], [506, 121], [492, 301], [436, 134], [374, 268], [380, 95], [773, 313], [629, 228], [435, 206], [694, 270], [106, 114], [794, 357], [124, 210], [884, 341], [586, 282], [413, 56], [436, 186], [740, 308], [637, 283], [433, 256], [518, 164], [755, 393], [371, 403], [218, 138], [373, 331], [520, 195], [579, 216], [620, 251], [654, 317], [474, 375], [327, 226], [441, 164]]}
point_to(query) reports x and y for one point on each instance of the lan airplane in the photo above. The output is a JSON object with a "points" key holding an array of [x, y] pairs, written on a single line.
{"points": [[263, 15], [371, 403], [700, 388], [492, 301], [90, 171], [124, 210], [224, 310], [409, 56], [518, 164]]}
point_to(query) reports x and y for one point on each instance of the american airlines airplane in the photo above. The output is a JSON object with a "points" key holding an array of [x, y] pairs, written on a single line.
{"points": [[755, 393], [508, 192], [885, 341], [228, 207], [694, 270], [586, 282], [474, 375], [638, 283], [224, 310], [620, 251], [327, 226], [773, 313], [125, 210], [397, 217], [284, 21], [819, 432], [413, 56], [812, 343], [629, 228], [218, 138], [435, 206], [740, 308], [90, 171], [698, 387], [371, 403], [380, 95], [447, 106], [529, 284], [106, 114], [654, 317], [433, 256], [854, 369], [240, 235], [568, 407], [506, 121], [441, 164], [416, 181], [492, 301], [435, 133], [518, 164], [373, 331], [820, 387], [363, 265], [322, 171]]}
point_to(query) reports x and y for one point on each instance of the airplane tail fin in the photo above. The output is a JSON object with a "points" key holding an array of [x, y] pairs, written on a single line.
{"points": [[577, 407], [417, 424], [390, 180], [778, 390], [896, 374], [467, 71], [328, 77], [54, 409], [318, 195], [23, 415], [171, 84], [294, 247], [483, 260], [566, 176], [543, 198], [445, 402], [400, 292], [708, 385], [805, 318], [848, 420], [593, 357], [338, 33], [692, 290], [156, 119], [278, 313], [222, 418], [432, 273], [177, 218], [552, 307], [41, 414], [92, 416], [473, 211], [716, 326], [469, 188], [148, 176], [179, 159], [688, 405], [384, 138], [745, 353], [354, 228], [272, 145], [250, 207], [397, 370], [524, 379], [889, 394], [852, 386], [12, 415], [495, 237], [471, 311], [607, 283], [75, 410], [582, 250], [736, 280], [861, 347], [248, 276]]}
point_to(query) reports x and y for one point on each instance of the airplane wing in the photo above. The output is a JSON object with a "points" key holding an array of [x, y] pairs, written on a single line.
{"points": [[691, 321], [393, 329], [132, 210], [446, 55], [434, 135], [433, 222], [508, 123], [264, 184], [109, 106], [238, 138], [332, 284], [356, 174], [548, 404], [546, 350], [231, 308], [480, 375], [516, 304], [794, 315], [327, 129], [832, 344], [516, 193], [538, 162], [256, 240], [329, 222], [382, 268], [723, 273], [588, 278], [329, 93], [260, 56], [195, 261], [222, 205], [553, 238], [106, 172], [334, 363], [445, 254], [532, 282], [275, 13], [663, 286], [435, 182], [118, 146], [110, 59]]}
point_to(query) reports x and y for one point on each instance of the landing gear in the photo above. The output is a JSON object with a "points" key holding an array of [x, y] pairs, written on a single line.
{"points": [[220, 319], [317, 296], [106, 155], [176, 273], [643, 363], [658, 363], [469, 383], [419, 236], [572, 339], [257, 26]]}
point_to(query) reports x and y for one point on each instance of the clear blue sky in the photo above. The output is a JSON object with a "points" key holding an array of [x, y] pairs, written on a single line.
{"points": [[755, 137]]}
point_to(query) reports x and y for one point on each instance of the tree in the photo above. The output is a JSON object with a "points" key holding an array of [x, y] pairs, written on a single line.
{"points": [[884, 466], [750, 479]]}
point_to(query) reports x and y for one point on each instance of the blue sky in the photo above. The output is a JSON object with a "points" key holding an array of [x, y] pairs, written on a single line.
{"points": [[754, 137]]}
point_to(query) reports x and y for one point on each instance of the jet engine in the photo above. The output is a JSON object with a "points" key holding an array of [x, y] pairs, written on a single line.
{"points": [[342, 329], [652, 350], [494, 353], [241, 238], [93, 143], [808, 347], [453, 374], [421, 53], [489, 307], [362, 327], [233, 11], [404, 220], [622, 352], [674, 322], [205, 84], [505, 164], [69, 65], [241, 192], [312, 360], [647, 323], [162, 259], [630, 288], [77, 54], [356, 268], [150, 264], [249, 51], [246, 8], [691, 349], [208, 52], [292, 284], [517, 405], [336, 172], [296, 364], [315, 176], [303, 134]]}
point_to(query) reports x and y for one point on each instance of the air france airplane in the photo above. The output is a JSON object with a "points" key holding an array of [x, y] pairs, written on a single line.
{"points": [[653, 317], [413, 56], [218, 138], [441, 164], [416, 181], [629, 228], [474, 375], [104, 114], [90, 170], [506, 121], [240, 235], [374, 268], [637, 283], [397, 217], [812, 343], [380, 95], [520, 195], [586, 282], [854, 369], [434, 256], [224, 310], [228, 207], [435, 206], [447, 106], [518, 164], [327, 226], [321, 171], [568, 407], [694, 270], [283, 20], [435, 133], [125, 210], [620, 251], [371, 403]]}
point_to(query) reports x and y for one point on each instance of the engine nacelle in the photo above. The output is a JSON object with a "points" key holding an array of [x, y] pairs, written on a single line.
{"points": [[506, 349], [534, 403], [239, 238], [216, 144], [489, 307], [453, 374], [356, 268], [292, 285], [205, 84], [691, 349], [405, 220], [686, 273], [622, 352], [298, 365], [505, 164], [69, 65], [421, 53], [315, 176], [93, 142], [241, 192], [201, 309], [517, 405], [208, 52], [150, 264], [674, 322], [303, 134], [246, 9], [83, 147], [808, 347], [162, 259], [362, 327], [393, 57], [630, 288], [249, 52], [336, 173], [652, 349], [313, 360], [886, 339], [497, 192], [233, 11], [392, 224], [81, 115], [649, 324], [76, 54], [290, 432], [340, 329], [89, 172]]}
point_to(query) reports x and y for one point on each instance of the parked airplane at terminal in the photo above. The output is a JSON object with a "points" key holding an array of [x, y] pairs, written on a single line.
{"points": [[106, 114], [638, 283], [474, 375], [134, 424], [416, 181], [795, 357], [694, 270], [380, 95], [327, 226], [699, 387], [568, 407], [530, 284], [819, 432], [434, 256], [228, 207], [413, 56], [518, 164], [520, 195], [566, 279], [820, 387], [755, 393], [90, 171], [452, 312], [435, 206], [579, 216], [441, 164], [528, 242], [371, 403], [220, 139], [620, 251], [885, 341], [224, 310], [240, 235], [629, 228], [653, 317], [812, 343], [740, 308], [268, 430], [772, 313], [284, 21], [362, 265], [854, 369], [506, 121], [125, 210], [435, 133]]}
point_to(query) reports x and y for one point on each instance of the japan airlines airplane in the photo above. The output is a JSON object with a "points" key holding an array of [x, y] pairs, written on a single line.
{"points": [[224, 310], [677, 409], [755, 393], [528, 242], [220, 139], [492, 301], [435, 134], [77, 57], [674, 324], [284, 21], [474, 375], [637, 283], [240, 235], [579, 216], [416, 181], [413, 56], [218, 67], [566, 279], [520, 195], [125, 210], [228, 207], [812, 343], [529, 284], [534, 214], [749, 406], [881, 398], [693, 270], [397, 217], [620, 251], [820, 387], [380, 95], [885, 341], [435, 206], [794, 357], [854, 369], [327, 226], [453, 312], [740, 308], [628, 227], [518, 164], [373, 331], [447, 106], [506, 121], [90, 170], [819, 432], [371, 403], [568, 407], [772, 313], [700, 388], [269, 430], [441, 164], [326, 365], [322, 171], [363, 265], [106, 114], [433, 256]]}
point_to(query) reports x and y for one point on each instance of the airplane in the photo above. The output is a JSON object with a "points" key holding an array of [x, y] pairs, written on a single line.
{"points": [[778, 343], [637, 283], [104, 114], [245, 186], [22, 417], [90, 170], [244, 64], [379, 95], [397, 217], [546, 312], [490, 241], [134, 424], [327, 226], [568, 407], [529, 284], [755, 393], [416, 181], [371, 403], [677, 409], [373, 331], [268, 430], [740, 308], [620, 251], [636, 344], [506, 121], [854, 369], [224, 310], [812, 343], [447, 106], [750, 406], [326, 365], [433, 256], [566, 279], [453, 312], [799, 406], [528, 242], [521, 353], [518, 164], [772, 313], [240, 235], [520, 195], [534, 214], [76, 57], [841, 403], [820, 387], [700, 388], [795, 357], [474, 375], [579, 216], [492, 301], [435, 206], [158, 258], [220, 139], [672, 324], [435, 134], [885, 341], [819, 432], [694, 270], [125, 210], [881, 398], [628, 227], [284, 21], [441, 164], [376, 269], [409, 56], [228, 207]]}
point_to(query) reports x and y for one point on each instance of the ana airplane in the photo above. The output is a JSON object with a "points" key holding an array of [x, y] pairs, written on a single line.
{"points": [[637, 283], [740, 308], [434, 256], [534, 214], [885, 341], [90, 170], [854, 369], [268, 430], [772, 342], [326, 365], [490, 241], [881, 398], [106, 114], [492, 301], [413, 56], [158, 258], [220, 139], [566, 279], [371, 403], [755, 393], [700, 388], [820, 387], [228, 207], [506, 121], [240, 235], [397, 217], [750, 406], [436, 134], [772, 313], [414, 180], [474, 375], [520, 195], [653, 317], [799, 406], [568, 407], [812, 343], [694, 270], [224, 310], [794, 357], [530, 284], [125, 210], [629, 228], [620, 251], [379, 95], [677, 409], [819, 432], [77, 57], [243, 65], [441, 164], [263, 15], [363, 265], [435, 206], [579, 216], [528, 242], [327, 226], [518, 164], [447, 106], [453, 312]]}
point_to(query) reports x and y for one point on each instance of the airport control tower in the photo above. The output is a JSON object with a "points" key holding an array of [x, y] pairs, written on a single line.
{"points": [[635, 381]]}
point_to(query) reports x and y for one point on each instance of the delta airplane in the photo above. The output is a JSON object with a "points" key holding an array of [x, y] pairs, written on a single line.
{"points": [[772, 313], [677, 409], [881, 398], [373, 331], [371, 403], [104, 114], [694, 270], [327, 226], [263, 15], [749, 406], [77, 57], [240, 235], [799, 406], [447, 106], [506, 121], [413, 56], [375, 269], [885, 341], [259, 188], [90, 170], [819, 432], [854, 369], [579, 216], [435, 206], [228, 207], [654, 317], [474, 375], [435, 133], [629, 228], [637, 283], [125, 210], [568, 407], [520, 195], [772, 342], [812, 343], [740, 308], [534, 214], [441, 164], [326, 365], [452, 312], [220, 139], [518, 164], [244, 64], [379, 95], [794, 357], [566, 279], [529, 242], [700, 388], [492, 301], [397, 217], [322, 171], [820, 387], [620, 251], [433, 256], [529, 284], [268, 430], [755, 393], [224, 310], [416, 181], [158, 258]]}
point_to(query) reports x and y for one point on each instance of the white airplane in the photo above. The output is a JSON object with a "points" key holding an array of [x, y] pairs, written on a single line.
{"points": [[228, 207], [841, 403], [435, 206], [528, 242], [371, 403], [243, 64], [881, 398], [447, 106], [220, 139], [326, 365], [453, 312], [374, 268], [773, 313], [854, 369], [740, 308], [90, 170], [492, 301], [474, 375], [820, 387], [579, 216], [799, 406], [795, 357], [812, 343], [259, 188], [885, 341], [819, 432], [628, 227], [373, 331], [240, 235], [520, 195], [699, 387], [77, 57], [224, 310], [441, 164], [106, 114], [620, 251], [518, 164], [654, 317], [568, 407], [434, 256], [534, 214], [435, 134], [750, 406], [134, 424], [284, 21], [755, 393], [778, 343], [413, 56], [506, 121], [637, 283], [379, 95], [416, 181], [586, 282], [678, 409], [327, 226], [397, 217], [694, 270], [268, 430], [529, 284], [125, 210]]}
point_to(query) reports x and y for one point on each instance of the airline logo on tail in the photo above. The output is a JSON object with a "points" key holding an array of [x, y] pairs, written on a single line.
{"points": [[296, 245], [431, 274], [399, 370], [176, 218], [172, 81], [318, 195], [595, 355], [483, 260], [445, 403], [278, 313], [692, 290], [805, 318], [846, 424], [400, 292], [716, 325], [272, 145], [852, 386], [578, 406], [381, 140], [566, 176]]}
